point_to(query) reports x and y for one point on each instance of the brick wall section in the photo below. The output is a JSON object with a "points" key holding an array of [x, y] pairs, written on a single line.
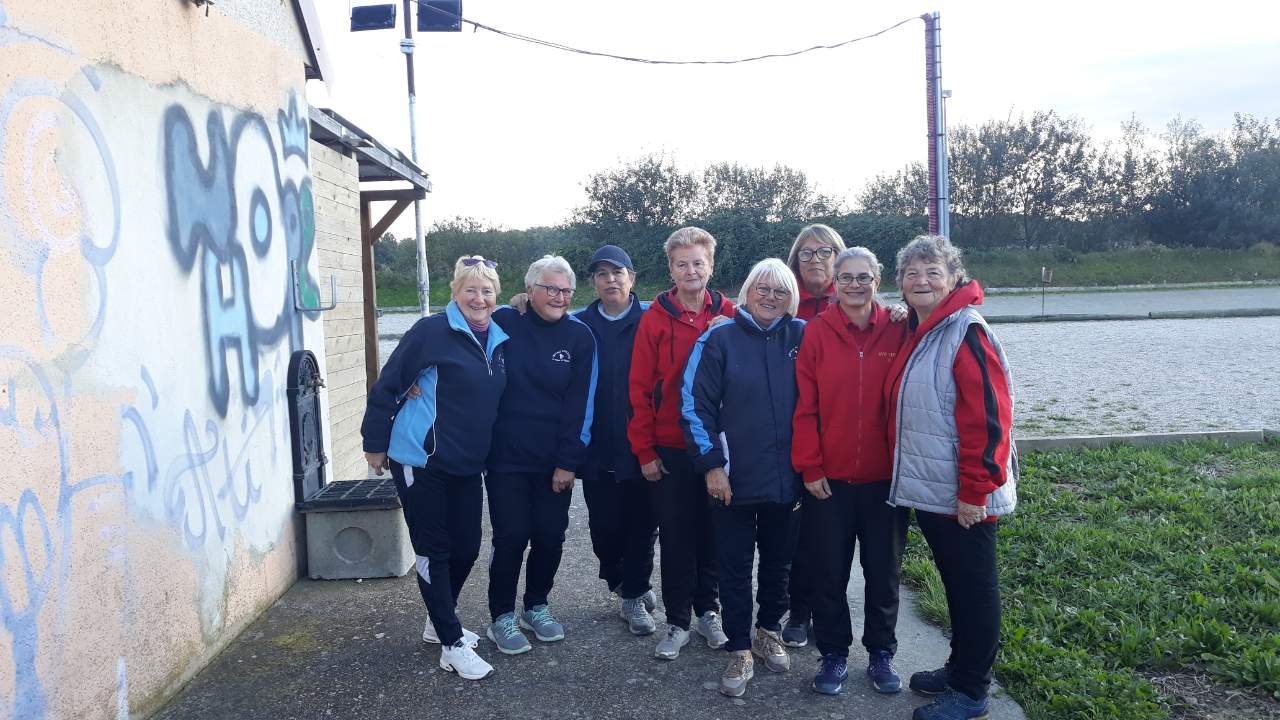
{"points": [[336, 188]]}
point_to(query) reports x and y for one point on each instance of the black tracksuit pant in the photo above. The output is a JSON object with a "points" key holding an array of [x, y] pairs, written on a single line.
{"points": [[684, 529], [799, 588], [966, 560], [623, 531], [739, 530], [855, 517], [443, 515], [524, 512]]}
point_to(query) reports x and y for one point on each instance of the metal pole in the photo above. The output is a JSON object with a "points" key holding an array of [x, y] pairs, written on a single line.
{"points": [[940, 132], [406, 47]]}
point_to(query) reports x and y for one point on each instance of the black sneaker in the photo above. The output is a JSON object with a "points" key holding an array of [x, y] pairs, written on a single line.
{"points": [[797, 635], [930, 682], [883, 677]]}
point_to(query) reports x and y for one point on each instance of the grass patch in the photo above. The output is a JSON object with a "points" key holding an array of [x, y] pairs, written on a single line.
{"points": [[1125, 563], [1153, 264]]}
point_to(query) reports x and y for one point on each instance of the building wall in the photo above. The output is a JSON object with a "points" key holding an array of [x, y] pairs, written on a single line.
{"points": [[336, 183], [154, 187]]}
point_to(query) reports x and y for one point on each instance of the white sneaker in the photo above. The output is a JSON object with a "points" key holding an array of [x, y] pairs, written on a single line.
{"points": [[461, 658], [429, 635], [708, 626]]}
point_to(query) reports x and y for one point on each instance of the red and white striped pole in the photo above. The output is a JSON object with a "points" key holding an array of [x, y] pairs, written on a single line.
{"points": [[939, 187]]}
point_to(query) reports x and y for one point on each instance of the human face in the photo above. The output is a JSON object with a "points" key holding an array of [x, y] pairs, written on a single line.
{"points": [[851, 293], [767, 301], [925, 285], [612, 283], [546, 301], [816, 272], [691, 268], [477, 298]]}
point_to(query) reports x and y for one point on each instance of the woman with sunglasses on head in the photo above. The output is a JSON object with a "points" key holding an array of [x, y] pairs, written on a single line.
{"points": [[667, 332], [840, 447], [429, 418], [539, 441], [738, 397]]}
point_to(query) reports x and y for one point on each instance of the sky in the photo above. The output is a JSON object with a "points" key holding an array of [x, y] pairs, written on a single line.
{"points": [[509, 131]]}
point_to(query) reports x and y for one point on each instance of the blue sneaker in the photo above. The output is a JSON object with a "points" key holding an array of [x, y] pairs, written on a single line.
{"points": [[832, 675], [883, 677], [953, 705], [797, 635], [544, 625], [930, 682], [505, 633]]}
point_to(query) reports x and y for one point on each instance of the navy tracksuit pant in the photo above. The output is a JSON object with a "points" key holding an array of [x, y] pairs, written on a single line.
{"points": [[739, 531], [855, 518], [524, 512], [623, 531], [684, 530], [443, 515]]}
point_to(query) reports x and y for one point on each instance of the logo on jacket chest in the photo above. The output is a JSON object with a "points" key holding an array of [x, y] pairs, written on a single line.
{"points": [[561, 356], [793, 352]]}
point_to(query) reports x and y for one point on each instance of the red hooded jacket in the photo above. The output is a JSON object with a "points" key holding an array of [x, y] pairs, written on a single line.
{"points": [[839, 430], [664, 339], [984, 403], [811, 306]]}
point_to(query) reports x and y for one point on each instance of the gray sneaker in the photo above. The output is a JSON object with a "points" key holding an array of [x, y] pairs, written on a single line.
{"points": [[768, 647], [650, 600], [708, 626], [507, 636], [637, 616], [733, 682], [544, 625], [669, 647]]}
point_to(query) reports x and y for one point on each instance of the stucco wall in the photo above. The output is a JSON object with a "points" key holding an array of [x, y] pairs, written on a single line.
{"points": [[154, 186], [336, 185]]}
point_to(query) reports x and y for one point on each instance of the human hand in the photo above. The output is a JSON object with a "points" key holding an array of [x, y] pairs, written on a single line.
{"points": [[969, 515], [897, 312], [377, 462], [819, 488], [414, 392], [519, 301], [718, 485], [717, 320], [653, 471], [562, 480]]}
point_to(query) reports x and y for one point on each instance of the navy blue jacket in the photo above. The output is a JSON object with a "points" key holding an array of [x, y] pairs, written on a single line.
{"points": [[610, 450], [544, 421], [450, 423], [737, 400]]}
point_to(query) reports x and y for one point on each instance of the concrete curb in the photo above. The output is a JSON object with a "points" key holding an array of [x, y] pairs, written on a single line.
{"points": [[1035, 289], [1072, 442], [1159, 315]]}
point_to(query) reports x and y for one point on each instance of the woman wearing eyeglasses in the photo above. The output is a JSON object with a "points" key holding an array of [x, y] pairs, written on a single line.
{"points": [[667, 332], [539, 441], [429, 418], [840, 446], [812, 259], [739, 394]]}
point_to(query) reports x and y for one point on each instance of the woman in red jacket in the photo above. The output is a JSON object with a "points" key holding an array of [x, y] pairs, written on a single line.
{"points": [[812, 260], [664, 339], [840, 445]]}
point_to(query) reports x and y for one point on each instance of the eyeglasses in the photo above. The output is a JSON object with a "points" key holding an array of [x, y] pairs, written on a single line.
{"points": [[555, 292], [823, 253], [863, 279], [473, 261], [779, 294], [933, 274]]}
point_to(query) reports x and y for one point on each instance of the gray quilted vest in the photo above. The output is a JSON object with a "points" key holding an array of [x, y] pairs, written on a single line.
{"points": [[925, 469]]}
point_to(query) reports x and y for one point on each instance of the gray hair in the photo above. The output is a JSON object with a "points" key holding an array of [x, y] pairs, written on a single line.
{"points": [[777, 273], [545, 264], [688, 237], [861, 253], [824, 234], [932, 248]]}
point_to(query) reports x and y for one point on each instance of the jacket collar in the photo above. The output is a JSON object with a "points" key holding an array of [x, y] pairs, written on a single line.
{"points": [[458, 322], [838, 321], [744, 319], [667, 300], [633, 313]]}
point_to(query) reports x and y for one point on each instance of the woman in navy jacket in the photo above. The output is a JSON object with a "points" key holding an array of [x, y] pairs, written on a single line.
{"points": [[435, 441], [738, 397]]}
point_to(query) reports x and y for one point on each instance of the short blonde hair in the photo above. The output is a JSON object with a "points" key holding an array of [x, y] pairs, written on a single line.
{"points": [[778, 274], [824, 234], [463, 272], [688, 237], [545, 264]]}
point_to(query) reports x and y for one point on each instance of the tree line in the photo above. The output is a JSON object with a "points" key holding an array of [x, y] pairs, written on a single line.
{"points": [[1027, 182]]}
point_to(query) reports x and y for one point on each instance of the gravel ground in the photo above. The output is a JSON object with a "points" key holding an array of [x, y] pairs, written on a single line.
{"points": [[1086, 378]]}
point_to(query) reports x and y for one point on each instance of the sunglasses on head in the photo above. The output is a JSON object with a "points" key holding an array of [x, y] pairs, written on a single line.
{"points": [[473, 261]]}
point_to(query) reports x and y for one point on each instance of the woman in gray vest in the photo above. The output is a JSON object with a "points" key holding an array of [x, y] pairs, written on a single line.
{"points": [[951, 412]]}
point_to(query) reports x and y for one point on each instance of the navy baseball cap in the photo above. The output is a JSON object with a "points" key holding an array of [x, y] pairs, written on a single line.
{"points": [[613, 255]]}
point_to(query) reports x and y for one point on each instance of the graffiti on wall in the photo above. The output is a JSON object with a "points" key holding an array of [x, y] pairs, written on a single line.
{"points": [[112, 443]]}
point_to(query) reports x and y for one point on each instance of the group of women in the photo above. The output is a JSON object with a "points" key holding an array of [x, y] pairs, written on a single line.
{"points": [[729, 427]]}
